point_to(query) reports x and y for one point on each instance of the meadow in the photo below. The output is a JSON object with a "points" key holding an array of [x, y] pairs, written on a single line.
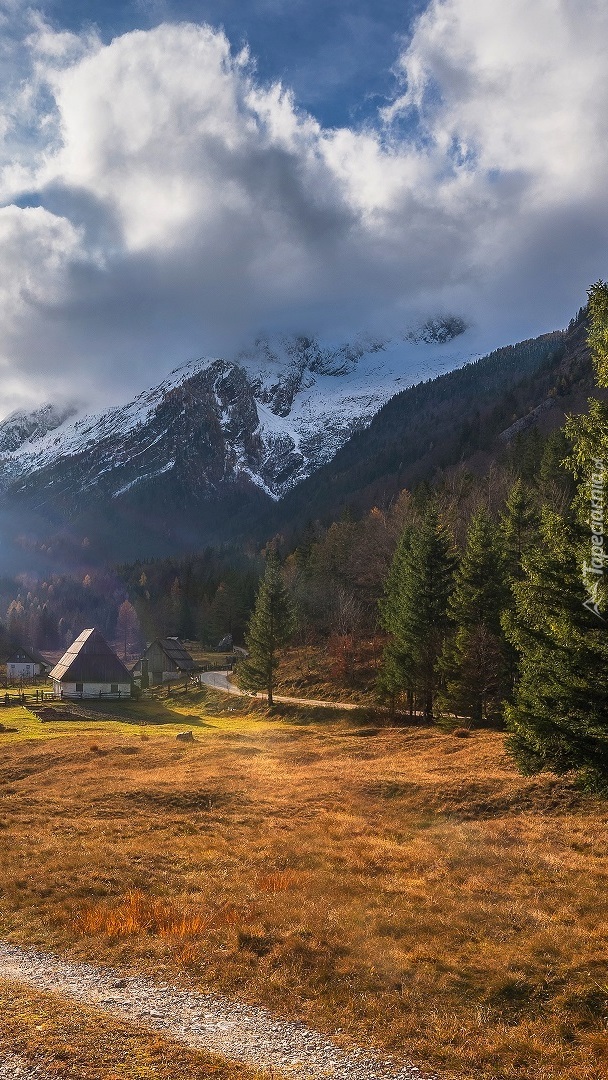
{"points": [[397, 887]]}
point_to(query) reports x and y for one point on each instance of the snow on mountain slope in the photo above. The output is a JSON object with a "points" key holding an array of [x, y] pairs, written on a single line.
{"points": [[268, 417], [23, 427]]}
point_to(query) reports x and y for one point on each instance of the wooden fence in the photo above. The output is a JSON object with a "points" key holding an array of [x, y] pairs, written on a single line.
{"points": [[32, 697]]}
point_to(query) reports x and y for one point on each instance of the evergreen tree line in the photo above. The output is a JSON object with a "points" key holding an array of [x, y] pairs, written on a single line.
{"points": [[201, 597], [515, 626], [487, 589], [49, 614], [495, 601]]}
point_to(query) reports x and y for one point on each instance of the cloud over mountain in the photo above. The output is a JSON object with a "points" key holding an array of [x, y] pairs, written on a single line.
{"points": [[161, 201]]}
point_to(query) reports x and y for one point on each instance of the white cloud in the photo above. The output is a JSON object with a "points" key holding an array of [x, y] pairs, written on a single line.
{"points": [[184, 205], [521, 87]]}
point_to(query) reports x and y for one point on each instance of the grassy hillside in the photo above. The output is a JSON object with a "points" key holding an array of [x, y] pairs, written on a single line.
{"points": [[406, 881]]}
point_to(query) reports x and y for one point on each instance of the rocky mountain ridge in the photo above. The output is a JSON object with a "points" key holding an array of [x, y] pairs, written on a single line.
{"points": [[236, 450], [268, 418]]}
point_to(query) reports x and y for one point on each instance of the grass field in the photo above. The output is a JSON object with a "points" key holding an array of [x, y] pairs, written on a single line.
{"points": [[403, 885]]}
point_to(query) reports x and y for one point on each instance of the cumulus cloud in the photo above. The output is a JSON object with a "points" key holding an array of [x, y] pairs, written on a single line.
{"points": [[160, 202]]}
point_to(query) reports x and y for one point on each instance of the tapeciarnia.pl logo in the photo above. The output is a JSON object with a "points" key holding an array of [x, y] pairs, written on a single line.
{"points": [[593, 572]]}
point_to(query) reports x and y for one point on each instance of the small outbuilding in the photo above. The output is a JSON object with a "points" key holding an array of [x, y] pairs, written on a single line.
{"points": [[163, 661], [90, 669], [26, 662]]}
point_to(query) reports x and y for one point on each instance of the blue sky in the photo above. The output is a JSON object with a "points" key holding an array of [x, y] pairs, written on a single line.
{"points": [[177, 178], [337, 55]]}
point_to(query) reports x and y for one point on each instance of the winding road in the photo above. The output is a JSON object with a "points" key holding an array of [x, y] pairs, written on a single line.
{"points": [[218, 680]]}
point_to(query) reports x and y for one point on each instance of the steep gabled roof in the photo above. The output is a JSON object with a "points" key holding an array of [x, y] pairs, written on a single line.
{"points": [[90, 659], [173, 648], [32, 654]]}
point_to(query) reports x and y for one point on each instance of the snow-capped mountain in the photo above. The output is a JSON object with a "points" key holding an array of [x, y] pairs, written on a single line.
{"points": [[28, 427], [265, 418]]}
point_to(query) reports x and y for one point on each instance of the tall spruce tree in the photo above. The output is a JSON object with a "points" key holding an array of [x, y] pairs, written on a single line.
{"points": [[475, 658], [270, 627], [519, 528], [415, 610], [559, 717], [588, 434], [396, 674]]}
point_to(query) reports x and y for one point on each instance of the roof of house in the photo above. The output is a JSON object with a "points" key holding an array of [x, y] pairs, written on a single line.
{"points": [[173, 648], [90, 659], [32, 654]]}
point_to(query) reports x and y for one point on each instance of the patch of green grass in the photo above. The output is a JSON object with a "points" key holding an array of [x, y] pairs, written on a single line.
{"points": [[29, 727], [199, 710], [14, 693]]}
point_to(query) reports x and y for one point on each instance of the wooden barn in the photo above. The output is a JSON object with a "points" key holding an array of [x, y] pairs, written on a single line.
{"points": [[90, 669], [25, 662], [163, 661]]}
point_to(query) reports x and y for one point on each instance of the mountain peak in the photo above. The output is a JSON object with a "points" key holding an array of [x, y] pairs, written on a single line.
{"points": [[28, 426]]}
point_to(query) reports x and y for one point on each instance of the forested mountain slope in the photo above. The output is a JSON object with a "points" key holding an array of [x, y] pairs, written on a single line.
{"points": [[191, 463], [466, 416]]}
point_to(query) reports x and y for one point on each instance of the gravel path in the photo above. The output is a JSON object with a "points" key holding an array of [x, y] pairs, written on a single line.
{"points": [[218, 680], [15, 1068], [202, 1021]]}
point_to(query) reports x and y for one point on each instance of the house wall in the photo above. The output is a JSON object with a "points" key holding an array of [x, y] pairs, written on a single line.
{"points": [[170, 676], [16, 671], [90, 690]]}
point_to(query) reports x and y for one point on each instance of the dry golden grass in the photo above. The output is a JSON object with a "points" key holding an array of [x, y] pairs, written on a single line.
{"points": [[74, 1042], [142, 914], [327, 674], [403, 885]]}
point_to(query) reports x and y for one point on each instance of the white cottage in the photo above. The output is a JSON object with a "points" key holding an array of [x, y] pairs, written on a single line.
{"points": [[90, 669], [25, 663]]}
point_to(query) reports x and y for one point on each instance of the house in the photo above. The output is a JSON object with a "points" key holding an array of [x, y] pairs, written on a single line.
{"points": [[164, 660], [89, 669], [25, 662]]}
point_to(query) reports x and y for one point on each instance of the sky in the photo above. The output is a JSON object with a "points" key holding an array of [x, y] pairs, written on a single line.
{"points": [[177, 178]]}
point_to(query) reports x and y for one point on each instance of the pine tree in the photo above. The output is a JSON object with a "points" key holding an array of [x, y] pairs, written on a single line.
{"points": [[555, 479], [598, 332], [415, 611], [16, 622], [270, 627], [480, 590], [559, 718], [474, 659], [588, 434], [45, 631], [519, 528], [396, 674]]}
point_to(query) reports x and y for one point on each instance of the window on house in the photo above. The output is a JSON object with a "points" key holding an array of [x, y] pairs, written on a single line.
{"points": [[114, 688], [79, 688]]}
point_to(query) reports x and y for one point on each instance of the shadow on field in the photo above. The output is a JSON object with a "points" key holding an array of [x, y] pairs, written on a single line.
{"points": [[139, 713]]}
